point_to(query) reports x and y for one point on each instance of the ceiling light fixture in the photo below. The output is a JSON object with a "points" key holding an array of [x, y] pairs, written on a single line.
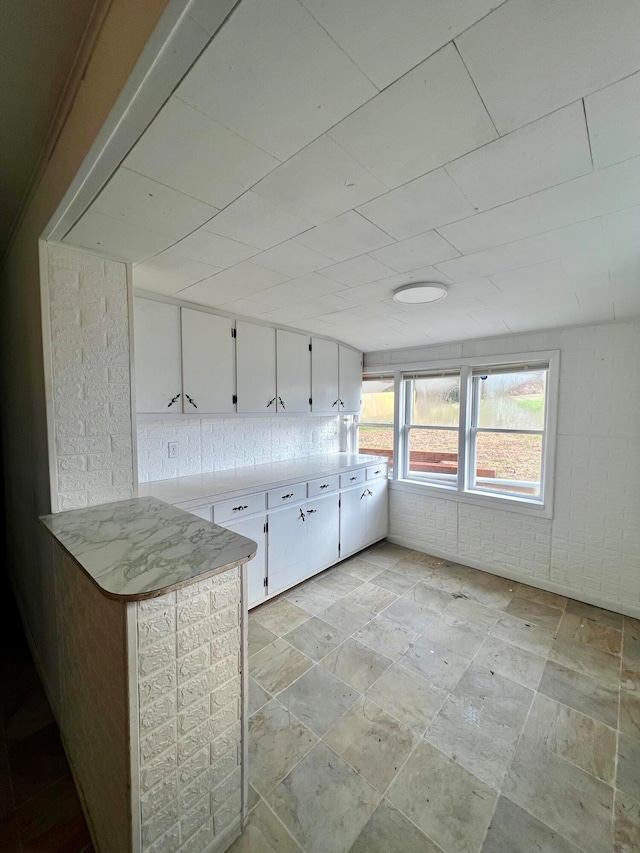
{"points": [[420, 291]]}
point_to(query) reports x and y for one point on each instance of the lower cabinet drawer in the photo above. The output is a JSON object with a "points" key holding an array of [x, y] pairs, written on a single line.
{"points": [[323, 486], [286, 495], [375, 471], [238, 508], [352, 478]]}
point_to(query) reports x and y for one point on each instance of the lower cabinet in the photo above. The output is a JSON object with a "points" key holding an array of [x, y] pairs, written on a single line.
{"points": [[254, 528], [287, 547], [364, 515]]}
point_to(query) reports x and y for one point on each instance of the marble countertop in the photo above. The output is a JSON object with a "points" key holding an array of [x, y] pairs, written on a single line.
{"points": [[189, 492], [144, 547]]}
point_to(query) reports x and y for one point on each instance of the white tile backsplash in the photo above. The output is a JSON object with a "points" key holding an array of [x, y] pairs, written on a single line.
{"points": [[218, 444]]}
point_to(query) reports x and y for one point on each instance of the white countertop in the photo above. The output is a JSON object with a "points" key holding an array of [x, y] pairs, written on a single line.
{"points": [[189, 492]]}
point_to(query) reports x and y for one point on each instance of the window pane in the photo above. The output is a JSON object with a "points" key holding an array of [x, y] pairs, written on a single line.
{"points": [[512, 400], [433, 456], [377, 441], [377, 401], [508, 462], [436, 401]]}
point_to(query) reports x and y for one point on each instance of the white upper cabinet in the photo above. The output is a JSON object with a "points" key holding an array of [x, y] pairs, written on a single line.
{"points": [[207, 363], [350, 385], [158, 357], [256, 368], [293, 363], [324, 376]]}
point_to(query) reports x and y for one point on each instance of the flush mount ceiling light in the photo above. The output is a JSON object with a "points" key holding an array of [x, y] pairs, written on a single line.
{"points": [[420, 291]]}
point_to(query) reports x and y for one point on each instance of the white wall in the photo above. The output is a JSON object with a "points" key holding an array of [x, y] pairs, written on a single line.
{"points": [[217, 444], [590, 550]]}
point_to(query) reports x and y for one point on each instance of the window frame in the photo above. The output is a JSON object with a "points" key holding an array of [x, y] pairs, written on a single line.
{"points": [[357, 423], [464, 491]]}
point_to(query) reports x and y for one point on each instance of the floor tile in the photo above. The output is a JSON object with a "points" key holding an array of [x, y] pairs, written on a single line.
{"points": [[365, 725], [599, 665], [27, 712], [53, 821], [513, 830], [443, 668], [360, 568], [409, 614], [312, 598], [429, 597], [596, 614], [491, 590], [339, 582], [557, 792], [630, 675], [511, 661], [36, 762], [443, 799], [277, 665], [525, 634], [631, 649], [536, 614], [580, 692], [593, 634], [371, 597], [356, 664], [254, 798], [324, 803], [277, 742], [476, 615], [257, 697], [9, 839], [259, 636], [503, 699], [629, 723], [347, 617], [318, 699], [414, 571], [384, 555], [386, 637], [315, 638], [389, 830], [540, 596], [449, 577], [410, 698], [628, 776], [279, 616], [264, 834], [627, 824], [393, 581], [470, 736], [455, 635]]}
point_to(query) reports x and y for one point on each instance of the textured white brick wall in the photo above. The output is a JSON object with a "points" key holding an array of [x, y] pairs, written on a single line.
{"points": [[90, 376], [190, 714], [591, 547], [217, 444]]}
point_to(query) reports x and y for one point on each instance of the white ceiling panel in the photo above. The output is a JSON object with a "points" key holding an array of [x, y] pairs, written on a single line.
{"points": [[583, 237], [291, 259], [551, 150], [116, 238], [186, 150], [345, 237], [133, 198], [245, 279], [613, 119], [246, 307], [283, 97], [478, 264], [428, 117], [301, 289], [532, 280], [420, 251], [387, 39], [254, 220], [357, 271], [168, 272], [530, 57], [511, 221], [320, 183], [212, 249], [621, 234], [366, 294], [422, 274], [419, 206]]}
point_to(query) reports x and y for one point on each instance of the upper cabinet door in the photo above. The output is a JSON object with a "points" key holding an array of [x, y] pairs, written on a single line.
{"points": [[157, 356], [350, 391], [207, 363], [324, 376], [256, 368], [293, 361]]}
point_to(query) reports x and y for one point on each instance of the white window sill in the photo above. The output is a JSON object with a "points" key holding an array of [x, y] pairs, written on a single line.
{"points": [[507, 504]]}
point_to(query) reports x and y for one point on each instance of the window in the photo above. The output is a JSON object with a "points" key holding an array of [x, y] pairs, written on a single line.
{"points": [[432, 424], [375, 424]]}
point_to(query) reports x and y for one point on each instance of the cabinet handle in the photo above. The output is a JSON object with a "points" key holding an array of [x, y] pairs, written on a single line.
{"points": [[281, 403], [324, 486], [309, 511], [335, 404], [342, 404], [239, 508], [376, 472], [271, 402], [366, 493], [351, 479], [177, 397], [284, 497], [191, 400], [302, 516]]}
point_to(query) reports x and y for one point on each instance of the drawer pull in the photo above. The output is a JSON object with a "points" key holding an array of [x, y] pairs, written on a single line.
{"points": [[377, 472], [309, 511], [351, 479], [239, 508], [290, 495], [324, 486]]}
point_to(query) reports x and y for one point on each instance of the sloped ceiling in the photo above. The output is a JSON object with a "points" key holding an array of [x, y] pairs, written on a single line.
{"points": [[321, 153]]}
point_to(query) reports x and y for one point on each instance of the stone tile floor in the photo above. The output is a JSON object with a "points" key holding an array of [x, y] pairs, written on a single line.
{"points": [[402, 704], [39, 807]]}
